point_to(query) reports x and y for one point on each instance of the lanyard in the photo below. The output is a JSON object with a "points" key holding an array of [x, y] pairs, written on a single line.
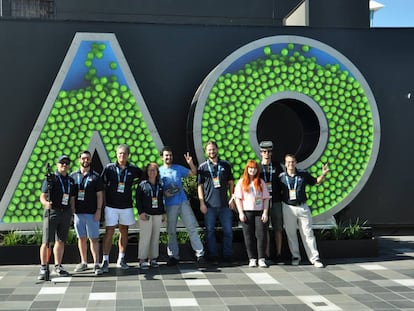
{"points": [[288, 183], [63, 185], [156, 190], [85, 182], [270, 172], [119, 174], [211, 170], [253, 190]]}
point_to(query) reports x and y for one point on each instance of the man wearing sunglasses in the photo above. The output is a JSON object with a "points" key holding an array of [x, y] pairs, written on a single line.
{"points": [[269, 172], [58, 200]]}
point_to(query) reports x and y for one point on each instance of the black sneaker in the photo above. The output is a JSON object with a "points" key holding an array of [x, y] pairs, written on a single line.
{"points": [[60, 271], [214, 260], [105, 266], [201, 261], [42, 273], [172, 261]]}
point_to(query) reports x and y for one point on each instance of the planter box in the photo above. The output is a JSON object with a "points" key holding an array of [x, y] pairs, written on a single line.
{"points": [[348, 248]]}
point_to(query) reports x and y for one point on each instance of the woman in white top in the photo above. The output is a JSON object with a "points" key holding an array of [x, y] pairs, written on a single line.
{"points": [[252, 200]]}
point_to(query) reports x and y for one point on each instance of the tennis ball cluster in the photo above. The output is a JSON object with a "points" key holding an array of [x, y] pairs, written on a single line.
{"points": [[235, 95], [105, 106]]}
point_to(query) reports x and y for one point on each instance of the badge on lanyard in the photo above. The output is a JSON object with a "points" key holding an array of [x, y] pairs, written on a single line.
{"points": [[121, 187], [216, 182], [292, 194], [269, 186], [258, 201], [81, 195], [65, 199], [154, 202]]}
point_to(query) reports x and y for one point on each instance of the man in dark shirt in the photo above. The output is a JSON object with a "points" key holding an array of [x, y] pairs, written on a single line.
{"points": [[215, 183], [88, 207], [269, 172], [119, 179], [296, 212], [58, 200]]}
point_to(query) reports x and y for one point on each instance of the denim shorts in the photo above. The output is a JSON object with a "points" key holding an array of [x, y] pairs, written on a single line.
{"points": [[86, 226]]}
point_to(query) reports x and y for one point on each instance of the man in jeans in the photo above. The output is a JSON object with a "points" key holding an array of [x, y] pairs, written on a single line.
{"points": [[215, 181], [177, 205]]}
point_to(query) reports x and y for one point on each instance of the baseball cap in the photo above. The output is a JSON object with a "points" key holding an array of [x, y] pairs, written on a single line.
{"points": [[62, 158], [266, 144]]}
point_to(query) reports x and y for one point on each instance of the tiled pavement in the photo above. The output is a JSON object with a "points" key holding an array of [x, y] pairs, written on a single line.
{"points": [[382, 283]]}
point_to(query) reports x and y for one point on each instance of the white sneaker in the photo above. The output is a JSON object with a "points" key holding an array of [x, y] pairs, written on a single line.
{"points": [[295, 261], [318, 264], [144, 265], [262, 263], [253, 263]]}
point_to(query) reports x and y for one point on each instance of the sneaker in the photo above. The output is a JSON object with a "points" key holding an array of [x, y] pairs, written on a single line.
{"points": [[154, 263], [318, 264], [42, 273], [144, 265], [122, 264], [201, 261], [105, 266], [252, 263], [81, 267], [60, 271], [97, 270], [295, 261], [214, 261], [262, 263], [172, 261]]}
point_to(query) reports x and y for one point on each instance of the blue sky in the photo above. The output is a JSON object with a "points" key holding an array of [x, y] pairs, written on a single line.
{"points": [[395, 13]]}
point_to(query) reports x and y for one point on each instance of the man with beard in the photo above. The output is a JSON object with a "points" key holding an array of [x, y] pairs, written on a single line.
{"points": [[215, 184], [177, 205], [88, 207]]}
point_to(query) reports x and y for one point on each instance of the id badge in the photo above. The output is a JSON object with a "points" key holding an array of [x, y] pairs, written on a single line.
{"points": [[65, 199], [121, 187], [269, 187], [81, 195], [154, 202], [216, 182], [258, 201], [292, 194]]}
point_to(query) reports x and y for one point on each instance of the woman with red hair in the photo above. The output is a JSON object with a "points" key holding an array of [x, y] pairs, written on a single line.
{"points": [[252, 200]]}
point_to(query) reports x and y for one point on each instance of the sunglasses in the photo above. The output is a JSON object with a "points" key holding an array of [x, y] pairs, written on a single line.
{"points": [[64, 162]]}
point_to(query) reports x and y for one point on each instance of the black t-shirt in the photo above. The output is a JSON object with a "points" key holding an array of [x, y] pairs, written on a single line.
{"points": [[119, 183], [272, 177], [207, 171], [89, 184], [301, 179], [59, 185]]}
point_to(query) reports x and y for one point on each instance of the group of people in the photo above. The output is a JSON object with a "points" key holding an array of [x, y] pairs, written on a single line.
{"points": [[265, 190]]}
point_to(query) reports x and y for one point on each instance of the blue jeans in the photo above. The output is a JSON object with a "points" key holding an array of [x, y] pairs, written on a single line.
{"points": [[225, 216]]}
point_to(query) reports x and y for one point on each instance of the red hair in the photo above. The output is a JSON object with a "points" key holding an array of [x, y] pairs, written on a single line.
{"points": [[256, 178]]}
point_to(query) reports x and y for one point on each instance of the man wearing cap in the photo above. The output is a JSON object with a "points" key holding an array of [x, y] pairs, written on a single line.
{"points": [[119, 179], [215, 183], [88, 207], [58, 200], [269, 172]]}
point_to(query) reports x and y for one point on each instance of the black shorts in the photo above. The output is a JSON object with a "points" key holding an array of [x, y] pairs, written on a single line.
{"points": [[58, 223], [276, 216]]}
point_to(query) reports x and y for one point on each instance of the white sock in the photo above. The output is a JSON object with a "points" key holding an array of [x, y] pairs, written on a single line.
{"points": [[106, 257]]}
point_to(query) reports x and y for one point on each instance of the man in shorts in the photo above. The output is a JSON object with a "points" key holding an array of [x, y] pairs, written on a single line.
{"points": [[119, 179], [58, 200], [88, 207]]}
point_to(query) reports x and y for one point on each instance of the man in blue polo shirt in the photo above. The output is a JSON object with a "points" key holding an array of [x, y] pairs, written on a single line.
{"points": [[88, 207], [215, 184], [119, 179], [296, 213]]}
